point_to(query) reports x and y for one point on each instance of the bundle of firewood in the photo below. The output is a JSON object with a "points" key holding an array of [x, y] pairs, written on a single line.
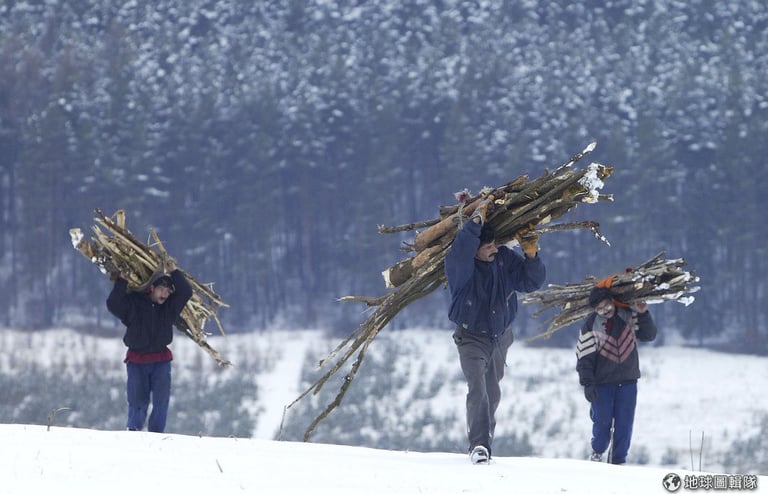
{"points": [[117, 252], [519, 207], [654, 281]]}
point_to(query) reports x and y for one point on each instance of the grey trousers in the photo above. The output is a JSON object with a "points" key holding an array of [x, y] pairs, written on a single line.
{"points": [[482, 362]]}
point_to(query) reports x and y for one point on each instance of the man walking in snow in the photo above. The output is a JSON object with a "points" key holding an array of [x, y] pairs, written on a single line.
{"points": [[148, 317], [482, 279], [608, 368]]}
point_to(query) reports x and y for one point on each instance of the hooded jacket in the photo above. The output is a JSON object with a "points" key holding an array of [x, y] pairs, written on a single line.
{"points": [[483, 298], [149, 326]]}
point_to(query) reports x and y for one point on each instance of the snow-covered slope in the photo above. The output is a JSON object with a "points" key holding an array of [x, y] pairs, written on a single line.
{"points": [[684, 393], [81, 461]]}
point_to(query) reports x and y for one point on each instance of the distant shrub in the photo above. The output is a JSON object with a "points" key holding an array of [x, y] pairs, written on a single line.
{"points": [[670, 457], [640, 455], [750, 456]]}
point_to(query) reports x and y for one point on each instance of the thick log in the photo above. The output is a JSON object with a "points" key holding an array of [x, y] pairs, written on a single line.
{"points": [[400, 272], [444, 226]]}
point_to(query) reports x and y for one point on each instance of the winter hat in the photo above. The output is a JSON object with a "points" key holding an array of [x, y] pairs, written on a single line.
{"points": [[598, 294], [487, 234]]}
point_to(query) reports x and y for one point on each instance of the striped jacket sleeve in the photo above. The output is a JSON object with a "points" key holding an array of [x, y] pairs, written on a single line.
{"points": [[586, 352]]}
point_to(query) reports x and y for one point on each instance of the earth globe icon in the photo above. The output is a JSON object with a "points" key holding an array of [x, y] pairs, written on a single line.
{"points": [[672, 482]]}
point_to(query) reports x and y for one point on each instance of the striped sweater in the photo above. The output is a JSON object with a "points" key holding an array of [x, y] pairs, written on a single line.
{"points": [[606, 351]]}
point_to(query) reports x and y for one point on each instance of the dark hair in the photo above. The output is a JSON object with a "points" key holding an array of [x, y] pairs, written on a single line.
{"points": [[165, 281], [487, 234], [598, 294]]}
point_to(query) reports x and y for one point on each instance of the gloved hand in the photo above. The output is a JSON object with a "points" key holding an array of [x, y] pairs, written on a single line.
{"points": [[481, 211], [529, 241], [590, 392]]}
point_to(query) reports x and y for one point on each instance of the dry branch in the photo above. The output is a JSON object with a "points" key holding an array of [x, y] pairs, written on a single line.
{"points": [[654, 281], [116, 251], [518, 206]]}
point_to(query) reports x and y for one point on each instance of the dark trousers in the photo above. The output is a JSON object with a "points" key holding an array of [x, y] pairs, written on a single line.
{"points": [[145, 382], [615, 404], [482, 362]]}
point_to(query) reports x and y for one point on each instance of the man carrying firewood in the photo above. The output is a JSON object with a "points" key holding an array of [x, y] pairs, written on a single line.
{"points": [[149, 316], [483, 278], [608, 368]]}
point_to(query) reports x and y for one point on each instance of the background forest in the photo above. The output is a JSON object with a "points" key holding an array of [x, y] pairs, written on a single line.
{"points": [[266, 141]]}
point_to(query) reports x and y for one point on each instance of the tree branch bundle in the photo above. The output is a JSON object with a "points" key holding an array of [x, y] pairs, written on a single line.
{"points": [[116, 251], [654, 281], [518, 206]]}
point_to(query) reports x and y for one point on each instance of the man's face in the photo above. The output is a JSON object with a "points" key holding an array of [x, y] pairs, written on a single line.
{"points": [[159, 294], [605, 308], [487, 252]]}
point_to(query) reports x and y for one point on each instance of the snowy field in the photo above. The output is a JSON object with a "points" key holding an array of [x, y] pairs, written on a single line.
{"points": [[684, 394], [82, 461]]}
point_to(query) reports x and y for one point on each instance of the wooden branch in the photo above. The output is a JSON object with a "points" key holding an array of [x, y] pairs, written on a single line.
{"points": [[654, 281], [407, 227], [117, 251], [424, 282], [447, 224], [400, 272]]}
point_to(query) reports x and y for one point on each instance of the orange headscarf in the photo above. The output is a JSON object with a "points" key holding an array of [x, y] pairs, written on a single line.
{"points": [[606, 283]]}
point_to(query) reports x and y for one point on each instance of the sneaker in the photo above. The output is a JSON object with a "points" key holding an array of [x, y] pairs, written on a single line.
{"points": [[479, 455], [595, 457]]}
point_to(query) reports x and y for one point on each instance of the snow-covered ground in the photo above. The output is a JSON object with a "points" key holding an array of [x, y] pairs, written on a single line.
{"points": [[82, 461], [692, 403], [684, 393]]}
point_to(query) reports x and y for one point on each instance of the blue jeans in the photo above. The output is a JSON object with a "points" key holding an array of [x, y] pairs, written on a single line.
{"points": [[147, 381], [615, 404]]}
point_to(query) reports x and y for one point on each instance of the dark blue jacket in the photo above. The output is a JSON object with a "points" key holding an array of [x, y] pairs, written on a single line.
{"points": [[483, 298], [149, 326]]}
